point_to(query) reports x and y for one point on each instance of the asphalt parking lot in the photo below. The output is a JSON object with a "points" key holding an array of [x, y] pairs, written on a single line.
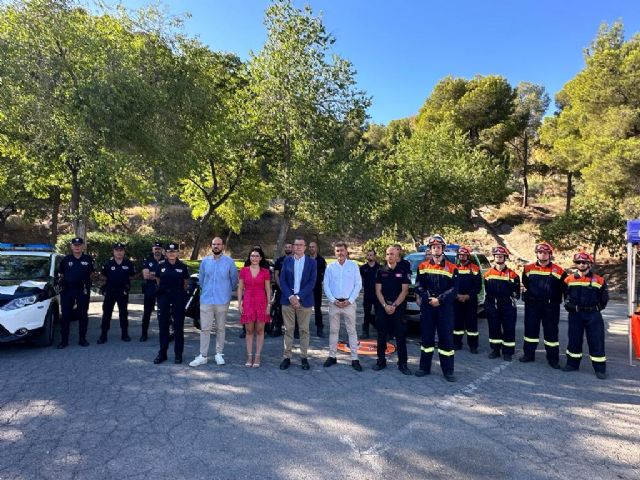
{"points": [[107, 411]]}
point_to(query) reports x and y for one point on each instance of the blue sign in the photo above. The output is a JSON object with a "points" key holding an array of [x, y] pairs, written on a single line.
{"points": [[633, 231]]}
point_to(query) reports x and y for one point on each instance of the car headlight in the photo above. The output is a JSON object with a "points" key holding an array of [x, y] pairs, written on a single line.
{"points": [[20, 302]]}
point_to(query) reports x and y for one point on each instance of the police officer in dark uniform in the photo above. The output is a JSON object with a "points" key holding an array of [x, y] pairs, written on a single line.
{"points": [[436, 291], [75, 272], [117, 271], [150, 286], [172, 277], [392, 286], [278, 321], [586, 296], [368, 272]]}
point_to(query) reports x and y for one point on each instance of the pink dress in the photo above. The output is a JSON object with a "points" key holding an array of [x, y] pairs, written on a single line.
{"points": [[254, 298]]}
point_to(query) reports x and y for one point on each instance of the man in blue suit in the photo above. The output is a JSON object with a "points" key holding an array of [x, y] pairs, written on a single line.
{"points": [[297, 280]]}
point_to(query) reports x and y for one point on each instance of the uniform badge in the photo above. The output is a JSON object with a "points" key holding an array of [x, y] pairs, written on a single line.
{"points": [[113, 268], [85, 263]]}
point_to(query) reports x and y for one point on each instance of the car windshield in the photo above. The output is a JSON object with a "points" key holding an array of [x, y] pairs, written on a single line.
{"points": [[483, 261], [24, 267]]}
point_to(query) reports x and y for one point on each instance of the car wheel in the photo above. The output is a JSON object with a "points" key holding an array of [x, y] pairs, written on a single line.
{"points": [[45, 337]]}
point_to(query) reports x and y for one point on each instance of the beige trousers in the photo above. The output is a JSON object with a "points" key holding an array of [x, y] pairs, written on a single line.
{"points": [[289, 315], [209, 313], [349, 314]]}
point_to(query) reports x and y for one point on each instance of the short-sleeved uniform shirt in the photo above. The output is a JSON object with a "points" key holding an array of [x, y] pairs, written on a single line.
{"points": [[77, 271], [369, 274], [171, 277], [391, 281], [118, 274], [150, 263]]}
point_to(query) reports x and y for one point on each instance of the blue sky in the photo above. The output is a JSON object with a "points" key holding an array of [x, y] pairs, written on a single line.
{"points": [[401, 49]]}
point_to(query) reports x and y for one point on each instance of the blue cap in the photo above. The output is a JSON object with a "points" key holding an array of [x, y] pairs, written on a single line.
{"points": [[157, 244], [119, 245], [172, 247], [77, 241]]}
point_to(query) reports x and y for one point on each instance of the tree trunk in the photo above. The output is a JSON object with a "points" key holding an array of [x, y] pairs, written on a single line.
{"points": [[55, 213], [567, 207], [284, 229], [200, 232], [525, 172], [79, 222]]}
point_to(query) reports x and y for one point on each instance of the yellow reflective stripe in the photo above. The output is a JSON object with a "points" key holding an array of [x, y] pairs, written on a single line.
{"points": [[574, 355], [458, 332], [584, 284], [446, 353], [509, 344], [531, 340], [552, 344], [426, 349], [493, 340], [598, 359], [538, 272], [498, 277], [422, 270], [436, 271], [472, 334], [557, 275], [464, 272]]}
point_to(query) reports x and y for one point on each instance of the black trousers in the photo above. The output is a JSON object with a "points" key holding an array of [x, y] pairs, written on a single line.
{"points": [[441, 319], [317, 305], [369, 318], [502, 325], [111, 298], [547, 314], [277, 319], [149, 306], [591, 324], [171, 304], [466, 321], [387, 325], [68, 299]]}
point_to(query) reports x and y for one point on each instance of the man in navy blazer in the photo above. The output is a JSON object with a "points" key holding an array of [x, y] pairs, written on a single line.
{"points": [[297, 280]]}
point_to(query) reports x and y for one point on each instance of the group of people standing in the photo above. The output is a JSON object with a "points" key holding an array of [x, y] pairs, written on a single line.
{"points": [[447, 293]]}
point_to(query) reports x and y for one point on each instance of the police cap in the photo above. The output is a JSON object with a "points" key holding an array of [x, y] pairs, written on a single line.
{"points": [[172, 247], [118, 246], [157, 244], [77, 241]]}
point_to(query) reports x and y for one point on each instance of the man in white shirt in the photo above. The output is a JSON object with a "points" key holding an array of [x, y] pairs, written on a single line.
{"points": [[342, 284]]}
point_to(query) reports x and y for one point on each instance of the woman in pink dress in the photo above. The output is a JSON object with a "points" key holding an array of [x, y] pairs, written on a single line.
{"points": [[254, 293]]}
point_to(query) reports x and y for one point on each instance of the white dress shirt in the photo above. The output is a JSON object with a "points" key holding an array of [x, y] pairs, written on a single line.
{"points": [[342, 281]]}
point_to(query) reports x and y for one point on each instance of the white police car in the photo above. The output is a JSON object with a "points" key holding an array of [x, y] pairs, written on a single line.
{"points": [[29, 292]]}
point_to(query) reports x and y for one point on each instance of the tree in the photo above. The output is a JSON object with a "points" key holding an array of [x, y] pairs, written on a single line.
{"points": [[531, 103], [595, 221], [300, 97]]}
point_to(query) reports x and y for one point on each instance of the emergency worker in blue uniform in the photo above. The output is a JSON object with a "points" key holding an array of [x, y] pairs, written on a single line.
{"points": [[502, 290], [466, 304], [586, 296], [542, 289], [392, 287], [172, 277], [150, 286], [76, 271], [117, 272], [436, 291]]}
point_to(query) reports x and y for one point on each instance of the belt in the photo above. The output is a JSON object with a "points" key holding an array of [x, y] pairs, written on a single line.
{"points": [[341, 299], [589, 309]]}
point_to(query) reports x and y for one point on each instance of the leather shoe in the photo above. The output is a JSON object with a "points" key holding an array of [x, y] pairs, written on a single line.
{"points": [[450, 377], [569, 368], [143, 337], [379, 366], [422, 373], [526, 359], [83, 343], [494, 354], [159, 359], [285, 364], [355, 364], [178, 359], [404, 370], [555, 366], [330, 361], [102, 339], [62, 345], [305, 364], [126, 338], [473, 350], [507, 357], [601, 375], [171, 337]]}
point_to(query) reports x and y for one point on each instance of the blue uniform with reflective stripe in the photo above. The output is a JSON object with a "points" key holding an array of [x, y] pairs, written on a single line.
{"points": [[466, 313], [502, 289]]}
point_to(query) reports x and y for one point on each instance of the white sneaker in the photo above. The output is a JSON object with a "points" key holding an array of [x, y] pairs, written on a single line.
{"points": [[199, 360], [219, 359]]}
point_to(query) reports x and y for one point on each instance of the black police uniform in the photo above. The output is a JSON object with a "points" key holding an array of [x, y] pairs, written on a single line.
{"points": [[391, 281], [75, 290], [116, 290], [149, 289], [172, 299], [585, 298], [369, 301], [321, 265], [439, 280]]}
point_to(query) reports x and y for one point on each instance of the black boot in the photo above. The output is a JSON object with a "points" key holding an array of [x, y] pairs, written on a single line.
{"points": [[103, 338]]}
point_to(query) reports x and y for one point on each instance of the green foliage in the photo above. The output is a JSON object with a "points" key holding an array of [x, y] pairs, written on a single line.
{"points": [[595, 221], [100, 245]]}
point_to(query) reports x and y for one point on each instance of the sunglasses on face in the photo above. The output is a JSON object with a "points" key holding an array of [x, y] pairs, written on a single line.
{"points": [[582, 263]]}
